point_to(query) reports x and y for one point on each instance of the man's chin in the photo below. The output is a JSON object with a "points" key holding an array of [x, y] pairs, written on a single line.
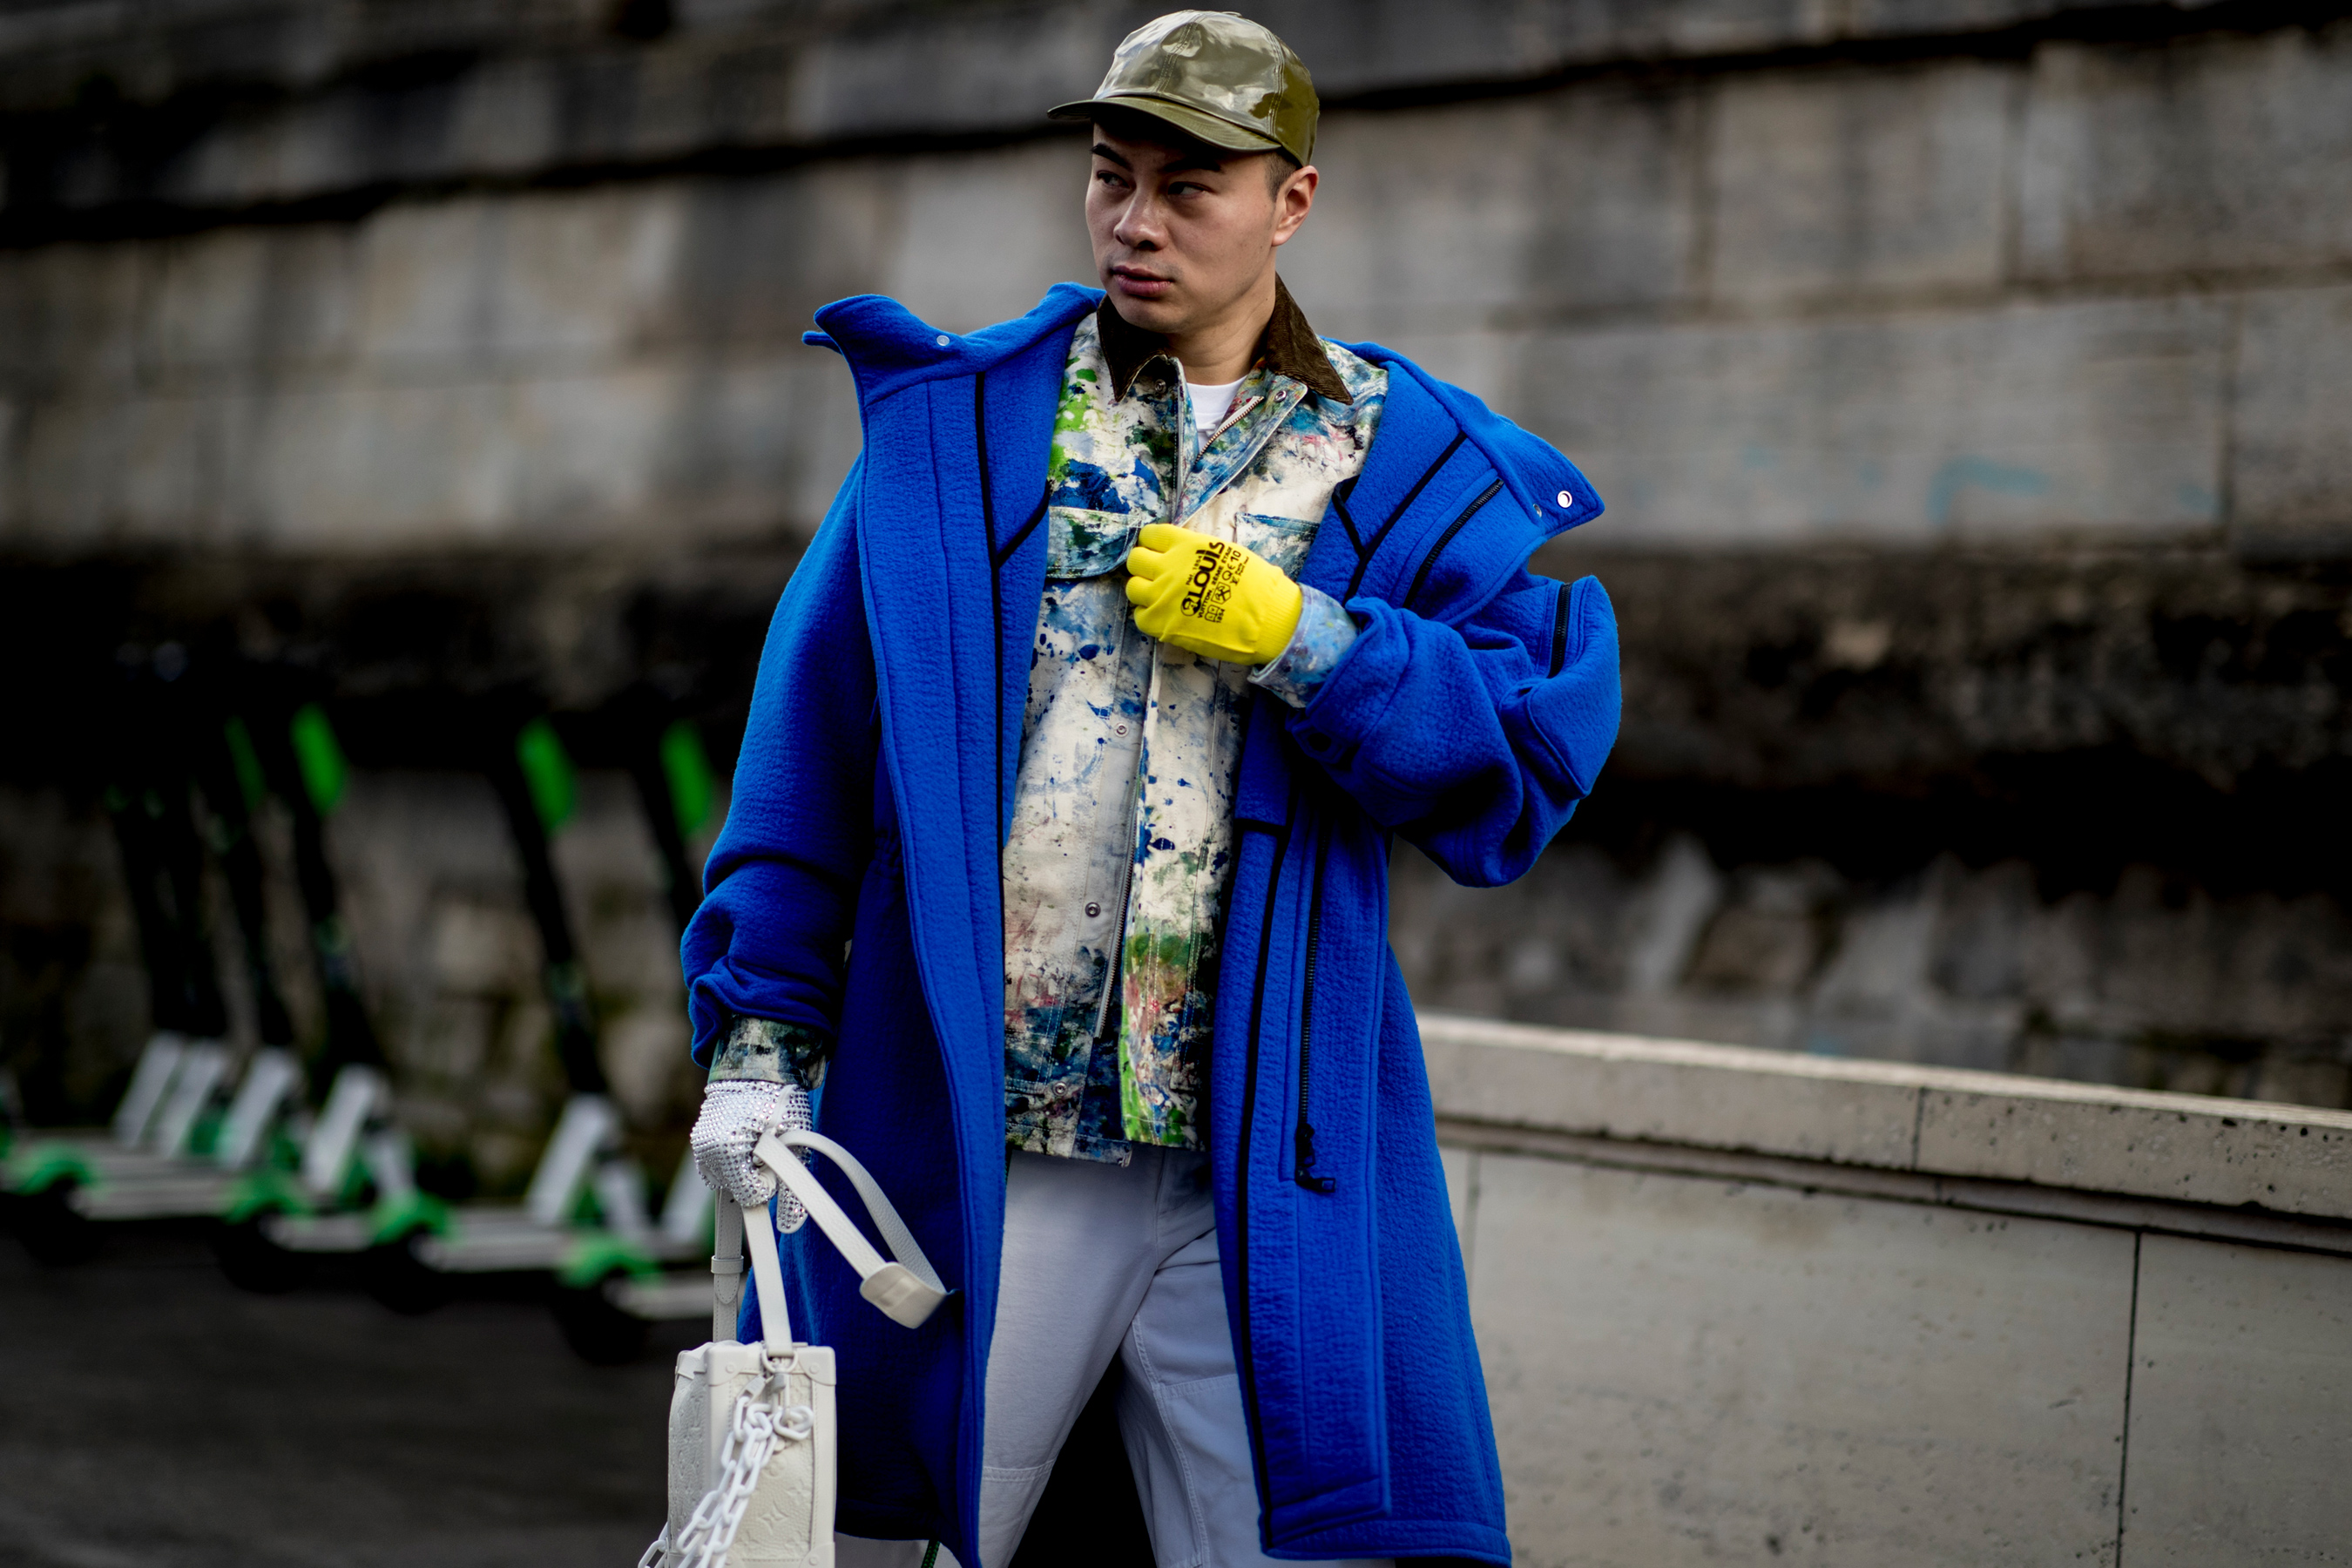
{"points": [[1153, 315]]}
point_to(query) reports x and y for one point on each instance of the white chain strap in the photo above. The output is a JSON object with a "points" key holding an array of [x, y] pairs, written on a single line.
{"points": [[761, 1420]]}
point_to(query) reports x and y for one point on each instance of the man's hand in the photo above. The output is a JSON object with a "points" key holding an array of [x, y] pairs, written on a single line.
{"points": [[1209, 597], [735, 1111]]}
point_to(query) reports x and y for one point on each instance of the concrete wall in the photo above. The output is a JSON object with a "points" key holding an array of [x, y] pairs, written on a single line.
{"points": [[1967, 379], [1736, 1307], [2088, 291]]}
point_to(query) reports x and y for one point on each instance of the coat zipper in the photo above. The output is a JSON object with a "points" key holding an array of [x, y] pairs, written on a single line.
{"points": [[1559, 632], [1430, 559], [1303, 1167]]}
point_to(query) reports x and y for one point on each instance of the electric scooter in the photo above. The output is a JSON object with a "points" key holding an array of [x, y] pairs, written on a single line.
{"points": [[584, 1216], [355, 1149], [176, 1153], [56, 1181], [604, 1302]]}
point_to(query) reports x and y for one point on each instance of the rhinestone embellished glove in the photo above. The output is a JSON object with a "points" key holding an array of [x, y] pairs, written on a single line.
{"points": [[735, 1111]]}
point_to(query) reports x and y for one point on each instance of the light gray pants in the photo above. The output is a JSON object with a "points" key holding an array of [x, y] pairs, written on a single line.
{"points": [[1104, 1260]]}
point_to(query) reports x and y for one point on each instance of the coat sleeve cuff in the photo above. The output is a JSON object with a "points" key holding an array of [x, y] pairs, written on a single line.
{"points": [[764, 1050], [1324, 635]]}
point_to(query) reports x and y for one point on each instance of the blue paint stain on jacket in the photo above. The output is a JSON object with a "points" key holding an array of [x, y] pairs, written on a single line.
{"points": [[871, 795]]}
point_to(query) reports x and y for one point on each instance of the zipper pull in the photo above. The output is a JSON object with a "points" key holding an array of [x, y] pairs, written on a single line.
{"points": [[1304, 1172]]}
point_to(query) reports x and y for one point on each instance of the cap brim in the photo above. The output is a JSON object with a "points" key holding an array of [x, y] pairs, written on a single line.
{"points": [[1199, 124]]}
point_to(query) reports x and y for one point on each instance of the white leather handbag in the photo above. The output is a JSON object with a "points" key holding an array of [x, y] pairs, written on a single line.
{"points": [[751, 1432]]}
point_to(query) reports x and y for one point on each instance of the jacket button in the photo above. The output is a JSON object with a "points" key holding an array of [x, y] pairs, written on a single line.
{"points": [[1318, 742], [1566, 498], [1093, 910]]}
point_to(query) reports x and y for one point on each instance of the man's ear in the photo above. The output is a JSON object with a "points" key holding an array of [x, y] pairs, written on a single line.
{"points": [[1293, 200]]}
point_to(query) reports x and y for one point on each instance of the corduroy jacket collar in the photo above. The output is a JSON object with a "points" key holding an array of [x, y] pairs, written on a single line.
{"points": [[1289, 348]]}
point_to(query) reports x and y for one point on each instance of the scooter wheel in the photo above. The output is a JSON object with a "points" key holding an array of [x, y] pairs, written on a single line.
{"points": [[252, 1261], [52, 1230], [392, 1273], [598, 1331]]}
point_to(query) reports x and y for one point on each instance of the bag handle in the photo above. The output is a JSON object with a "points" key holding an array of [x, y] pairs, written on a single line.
{"points": [[907, 1289], [768, 1279]]}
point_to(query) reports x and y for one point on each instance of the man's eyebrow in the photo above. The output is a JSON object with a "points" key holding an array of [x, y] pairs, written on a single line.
{"points": [[1208, 163]]}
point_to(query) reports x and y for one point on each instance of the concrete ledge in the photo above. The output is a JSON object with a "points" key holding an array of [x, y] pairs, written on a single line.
{"points": [[1893, 1116]]}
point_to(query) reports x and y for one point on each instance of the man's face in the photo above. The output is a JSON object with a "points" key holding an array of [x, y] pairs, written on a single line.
{"points": [[1181, 232]]}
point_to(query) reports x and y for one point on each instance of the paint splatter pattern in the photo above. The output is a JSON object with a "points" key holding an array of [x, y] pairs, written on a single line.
{"points": [[1121, 842]]}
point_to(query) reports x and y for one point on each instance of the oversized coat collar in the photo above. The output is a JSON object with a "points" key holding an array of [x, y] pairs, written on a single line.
{"points": [[1443, 431], [1288, 347]]}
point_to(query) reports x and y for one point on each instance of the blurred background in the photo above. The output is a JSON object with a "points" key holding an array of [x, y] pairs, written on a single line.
{"points": [[414, 389], [1969, 381]]}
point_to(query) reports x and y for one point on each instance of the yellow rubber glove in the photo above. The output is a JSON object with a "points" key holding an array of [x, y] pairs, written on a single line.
{"points": [[1209, 597]]}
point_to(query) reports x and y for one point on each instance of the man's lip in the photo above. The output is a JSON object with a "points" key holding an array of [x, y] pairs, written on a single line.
{"points": [[1135, 281]]}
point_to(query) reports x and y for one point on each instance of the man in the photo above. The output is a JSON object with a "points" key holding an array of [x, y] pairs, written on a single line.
{"points": [[1057, 859]]}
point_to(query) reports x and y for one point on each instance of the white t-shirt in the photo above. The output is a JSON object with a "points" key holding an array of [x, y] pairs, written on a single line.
{"points": [[1212, 403]]}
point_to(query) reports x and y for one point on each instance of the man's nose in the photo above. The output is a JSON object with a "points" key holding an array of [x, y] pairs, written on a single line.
{"points": [[1138, 224]]}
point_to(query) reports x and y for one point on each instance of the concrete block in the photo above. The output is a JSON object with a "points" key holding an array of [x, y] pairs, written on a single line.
{"points": [[758, 257], [2255, 964], [2242, 1375], [357, 467], [1851, 182], [1671, 1091], [670, 452], [2185, 1147], [2215, 155], [69, 313], [756, 446], [428, 271], [1687, 1371], [94, 472], [2291, 421], [579, 276], [542, 280], [973, 241], [1903, 426], [1446, 219], [508, 118], [231, 301], [566, 458], [949, 71], [302, 148], [1936, 1121]]}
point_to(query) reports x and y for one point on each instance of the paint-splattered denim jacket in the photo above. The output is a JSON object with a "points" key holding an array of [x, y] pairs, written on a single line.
{"points": [[1122, 821]]}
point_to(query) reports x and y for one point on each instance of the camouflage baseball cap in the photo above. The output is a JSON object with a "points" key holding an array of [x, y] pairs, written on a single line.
{"points": [[1214, 76]]}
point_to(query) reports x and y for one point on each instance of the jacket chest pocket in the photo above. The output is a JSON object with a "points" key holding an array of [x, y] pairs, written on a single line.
{"points": [[1283, 541], [1084, 543]]}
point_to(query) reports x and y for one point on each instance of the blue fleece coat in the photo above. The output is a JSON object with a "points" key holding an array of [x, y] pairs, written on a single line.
{"points": [[856, 889]]}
